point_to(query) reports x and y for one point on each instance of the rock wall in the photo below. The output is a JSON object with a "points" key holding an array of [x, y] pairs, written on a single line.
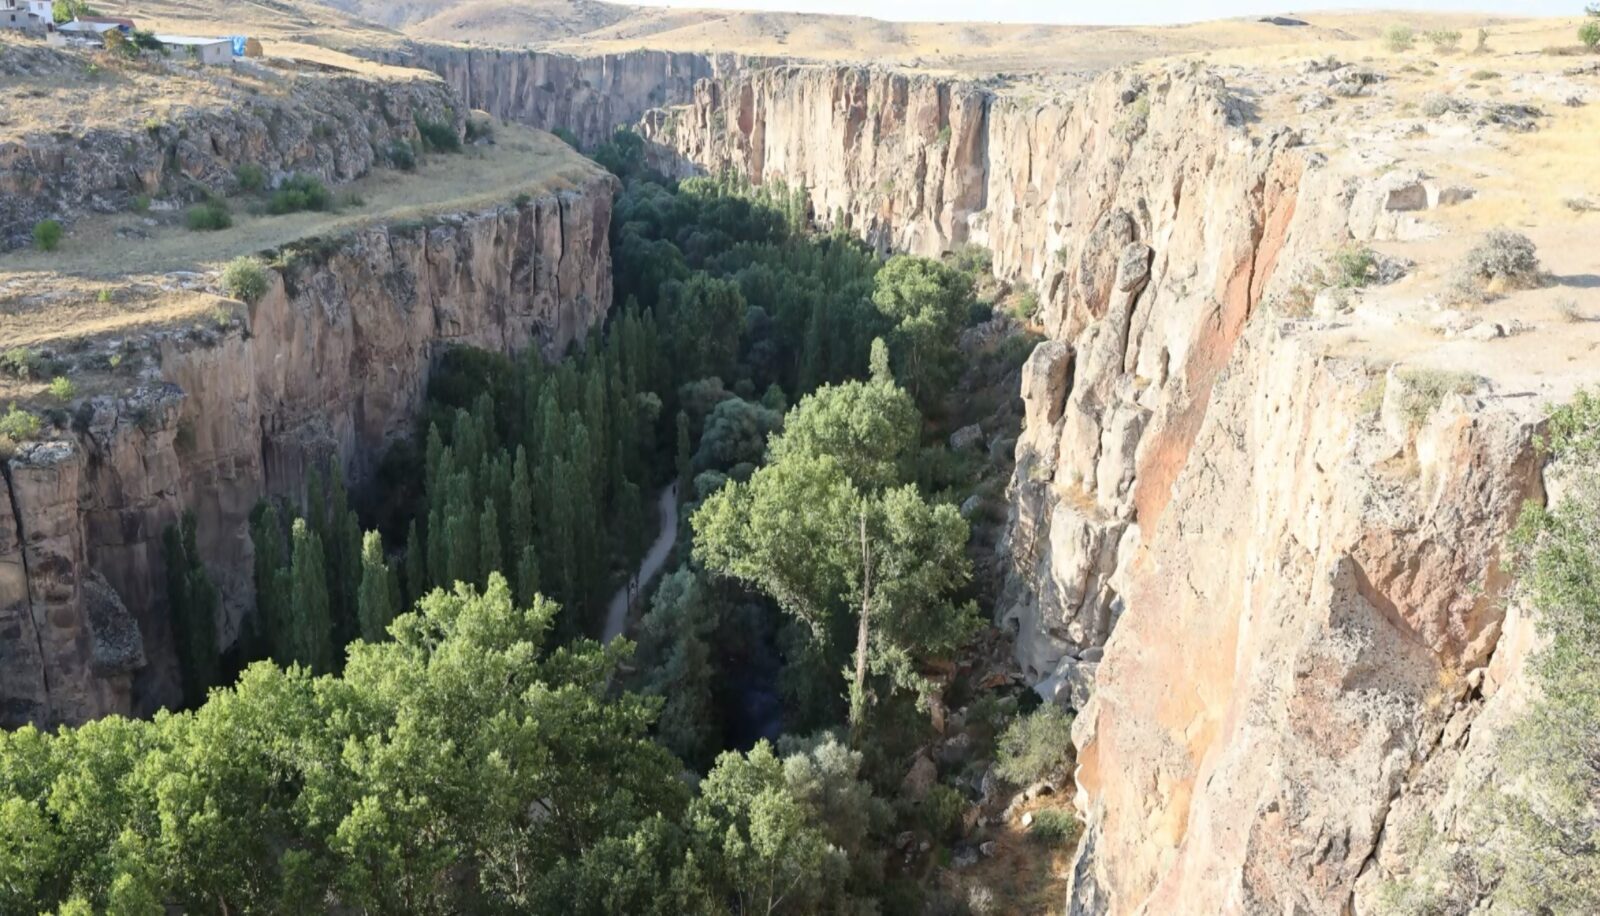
{"points": [[589, 96], [1272, 596], [332, 363], [336, 128]]}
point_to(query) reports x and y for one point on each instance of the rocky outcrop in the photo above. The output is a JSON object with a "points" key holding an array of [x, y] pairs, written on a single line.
{"points": [[331, 364], [589, 96], [336, 128]]}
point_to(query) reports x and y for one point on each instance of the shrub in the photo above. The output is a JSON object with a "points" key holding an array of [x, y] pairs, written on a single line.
{"points": [[1425, 389], [479, 129], [438, 136], [401, 156], [20, 362], [1053, 827], [1027, 305], [566, 136], [245, 279], [350, 199], [1354, 266], [62, 389], [1482, 75], [300, 192], [47, 235], [18, 425], [1483, 42], [1504, 259], [1589, 35], [141, 203], [1568, 310], [1036, 746], [209, 216], [1399, 38], [1444, 41], [251, 177]]}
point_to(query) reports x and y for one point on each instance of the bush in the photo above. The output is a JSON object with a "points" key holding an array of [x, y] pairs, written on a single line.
{"points": [[479, 129], [209, 216], [1053, 827], [47, 235], [1589, 35], [18, 425], [1444, 41], [1354, 267], [566, 136], [245, 279], [1425, 389], [1036, 746], [402, 156], [1399, 38], [1504, 259], [62, 389], [1027, 306], [141, 203], [21, 363], [1482, 75], [437, 136], [251, 176], [300, 192]]}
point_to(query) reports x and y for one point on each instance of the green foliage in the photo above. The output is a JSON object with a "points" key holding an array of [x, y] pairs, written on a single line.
{"points": [[47, 235], [1053, 827], [1444, 41], [140, 203], [62, 388], [675, 658], [193, 603], [309, 625], [452, 769], [209, 215], [437, 136], [245, 278], [251, 177], [870, 428], [300, 192], [1399, 38], [401, 156], [379, 597], [1423, 390], [622, 155], [927, 301], [735, 432], [566, 136], [1035, 746], [1504, 257], [18, 426], [22, 363], [1354, 266], [1589, 35]]}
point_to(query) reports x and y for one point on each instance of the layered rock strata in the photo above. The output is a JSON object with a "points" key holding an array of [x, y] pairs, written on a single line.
{"points": [[332, 363]]}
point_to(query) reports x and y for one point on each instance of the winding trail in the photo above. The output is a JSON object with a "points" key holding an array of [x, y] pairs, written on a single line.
{"points": [[654, 559]]}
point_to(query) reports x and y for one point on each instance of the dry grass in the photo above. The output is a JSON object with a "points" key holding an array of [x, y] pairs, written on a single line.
{"points": [[104, 281]]}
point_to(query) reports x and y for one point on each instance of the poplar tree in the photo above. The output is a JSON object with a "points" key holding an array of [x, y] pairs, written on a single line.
{"points": [[489, 557], [520, 506], [266, 536], [377, 599], [193, 603], [528, 576], [416, 584], [310, 630], [685, 458]]}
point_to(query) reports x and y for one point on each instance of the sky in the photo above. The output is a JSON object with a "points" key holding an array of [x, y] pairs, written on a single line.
{"points": [[1098, 12]]}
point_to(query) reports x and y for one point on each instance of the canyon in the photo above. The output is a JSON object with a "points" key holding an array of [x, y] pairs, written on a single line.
{"points": [[1255, 542]]}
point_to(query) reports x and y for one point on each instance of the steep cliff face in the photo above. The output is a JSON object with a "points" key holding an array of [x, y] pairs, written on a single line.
{"points": [[1265, 576], [333, 127], [332, 363], [589, 96]]}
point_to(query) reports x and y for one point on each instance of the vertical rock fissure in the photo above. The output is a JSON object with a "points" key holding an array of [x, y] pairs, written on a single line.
{"points": [[27, 575]]}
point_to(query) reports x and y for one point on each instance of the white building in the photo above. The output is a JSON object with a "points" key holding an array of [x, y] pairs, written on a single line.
{"points": [[205, 50], [27, 15]]}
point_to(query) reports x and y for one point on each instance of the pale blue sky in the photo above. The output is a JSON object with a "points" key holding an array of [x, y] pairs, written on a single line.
{"points": [[1117, 12]]}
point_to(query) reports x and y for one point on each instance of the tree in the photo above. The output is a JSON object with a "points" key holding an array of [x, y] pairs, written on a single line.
{"points": [[675, 658], [193, 601], [1589, 35], [735, 432], [878, 364], [489, 556], [706, 316], [310, 624], [927, 300], [378, 598], [685, 463], [772, 828], [869, 428], [416, 584], [266, 538]]}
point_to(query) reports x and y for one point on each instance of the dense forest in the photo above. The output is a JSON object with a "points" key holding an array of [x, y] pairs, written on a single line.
{"points": [[419, 717]]}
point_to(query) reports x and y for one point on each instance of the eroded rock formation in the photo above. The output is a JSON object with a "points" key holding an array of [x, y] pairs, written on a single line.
{"points": [[332, 363]]}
